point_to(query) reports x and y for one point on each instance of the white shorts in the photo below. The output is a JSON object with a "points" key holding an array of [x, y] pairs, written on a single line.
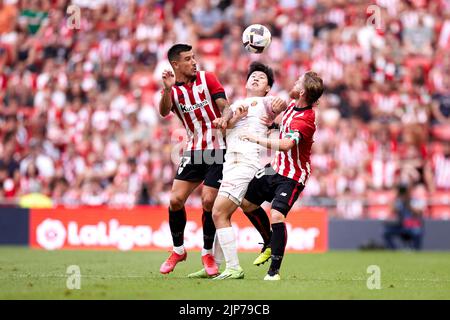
{"points": [[237, 174]]}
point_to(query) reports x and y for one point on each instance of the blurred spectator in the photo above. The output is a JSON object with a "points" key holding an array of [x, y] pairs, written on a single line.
{"points": [[418, 38], [35, 200], [78, 108], [440, 165], [384, 158], [8, 14], [441, 105], [208, 20], [34, 14], [409, 225]]}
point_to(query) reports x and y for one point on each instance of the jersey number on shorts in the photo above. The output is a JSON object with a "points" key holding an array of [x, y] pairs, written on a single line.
{"points": [[260, 173], [183, 163]]}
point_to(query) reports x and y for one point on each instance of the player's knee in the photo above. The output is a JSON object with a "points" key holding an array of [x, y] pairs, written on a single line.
{"points": [[277, 217], [207, 202], [176, 202], [247, 206], [218, 213]]}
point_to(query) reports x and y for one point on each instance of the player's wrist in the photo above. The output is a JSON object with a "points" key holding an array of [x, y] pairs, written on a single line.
{"points": [[228, 115]]}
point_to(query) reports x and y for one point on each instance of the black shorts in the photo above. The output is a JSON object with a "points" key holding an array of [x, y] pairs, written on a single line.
{"points": [[268, 185], [202, 165]]}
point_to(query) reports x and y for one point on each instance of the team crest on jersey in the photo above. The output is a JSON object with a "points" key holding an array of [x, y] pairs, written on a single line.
{"points": [[254, 103], [200, 88]]}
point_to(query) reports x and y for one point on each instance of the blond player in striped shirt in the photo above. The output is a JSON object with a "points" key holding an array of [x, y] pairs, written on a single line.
{"points": [[282, 181]]}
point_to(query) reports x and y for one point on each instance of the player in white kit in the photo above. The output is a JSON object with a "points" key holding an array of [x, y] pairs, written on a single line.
{"points": [[242, 159]]}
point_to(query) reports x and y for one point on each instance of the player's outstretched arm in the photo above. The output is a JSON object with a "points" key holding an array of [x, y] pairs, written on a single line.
{"points": [[240, 113], [284, 144], [165, 105]]}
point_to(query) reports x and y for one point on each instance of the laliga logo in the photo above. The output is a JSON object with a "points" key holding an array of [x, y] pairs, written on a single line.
{"points": [[51, 234]]}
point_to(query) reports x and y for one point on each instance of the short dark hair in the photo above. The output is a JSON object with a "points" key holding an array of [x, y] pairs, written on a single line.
{"points": [[313, 86], [176, 49], [258, 66]]}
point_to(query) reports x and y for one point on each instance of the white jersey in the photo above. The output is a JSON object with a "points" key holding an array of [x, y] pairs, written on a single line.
{"points": [[250, 124], [242, 159]]}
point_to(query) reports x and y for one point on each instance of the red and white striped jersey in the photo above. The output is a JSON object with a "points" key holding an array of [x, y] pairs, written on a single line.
{"points": [[441, 168], [386, 103], [299, 125], [194, 104]]}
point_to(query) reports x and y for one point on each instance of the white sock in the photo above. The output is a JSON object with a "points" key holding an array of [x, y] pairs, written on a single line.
{"points": [[228, 243], [217, 252], [206, 251], [179, 250]]}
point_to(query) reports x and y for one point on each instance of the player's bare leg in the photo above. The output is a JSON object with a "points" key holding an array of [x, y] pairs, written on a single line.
{"points": [[260, 220], [209, 195], [278, 244], [222, 211], [177, 222]]}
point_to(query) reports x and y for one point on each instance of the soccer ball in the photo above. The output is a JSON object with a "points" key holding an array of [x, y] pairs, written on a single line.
{"points": [[256, 38]]}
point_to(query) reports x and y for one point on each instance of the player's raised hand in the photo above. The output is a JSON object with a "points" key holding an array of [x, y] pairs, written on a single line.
{"points": [[168, 79], [266, 121], [216, 122], [220, 123], [278, 105], [242, 111]]}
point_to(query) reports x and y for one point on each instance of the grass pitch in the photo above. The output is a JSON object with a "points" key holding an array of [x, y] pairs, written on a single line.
{"points": [[36, 274]]}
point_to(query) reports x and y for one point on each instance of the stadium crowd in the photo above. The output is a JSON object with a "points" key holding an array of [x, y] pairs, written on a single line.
{"points": [[79, 117]]}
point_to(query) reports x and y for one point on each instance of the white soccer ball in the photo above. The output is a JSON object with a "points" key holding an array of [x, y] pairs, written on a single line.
{"points": [[256, 38]]}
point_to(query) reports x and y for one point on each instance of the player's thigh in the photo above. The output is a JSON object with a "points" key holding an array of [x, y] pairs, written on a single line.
{"points": [[287, 192], [236, 179], [214, 161], [260, 188], [191, 167], [180, 192]]}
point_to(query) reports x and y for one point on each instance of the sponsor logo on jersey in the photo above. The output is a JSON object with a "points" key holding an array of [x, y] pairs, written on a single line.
{"points": [[185, 109]]}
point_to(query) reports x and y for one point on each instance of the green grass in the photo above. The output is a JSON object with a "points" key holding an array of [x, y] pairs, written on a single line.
{"points": [[36, 274]]}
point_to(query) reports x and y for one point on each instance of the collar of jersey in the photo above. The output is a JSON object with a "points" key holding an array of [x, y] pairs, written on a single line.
{"points": [[302, 109], [178, 83]]}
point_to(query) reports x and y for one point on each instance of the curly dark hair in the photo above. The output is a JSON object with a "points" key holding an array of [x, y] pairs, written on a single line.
{"points": [[258, 66]]}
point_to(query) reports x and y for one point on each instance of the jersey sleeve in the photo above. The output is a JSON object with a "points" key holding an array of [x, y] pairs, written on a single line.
{"points": [[300, 129], [214, 86]]}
